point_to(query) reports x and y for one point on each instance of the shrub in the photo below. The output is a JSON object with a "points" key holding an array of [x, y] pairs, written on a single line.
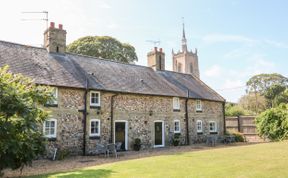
{"points": [[176, 139], [273, 123], [239, 137], [137, 144]]}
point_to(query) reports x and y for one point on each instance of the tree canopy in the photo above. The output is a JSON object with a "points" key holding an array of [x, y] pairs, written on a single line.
{"points": [[105, 47], [21, 139]]}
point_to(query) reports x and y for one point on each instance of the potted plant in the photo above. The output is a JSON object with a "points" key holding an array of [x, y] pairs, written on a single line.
{"points": [[137, 144], [176, 139]]}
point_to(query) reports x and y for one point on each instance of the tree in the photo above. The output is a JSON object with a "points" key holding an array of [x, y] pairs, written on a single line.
{"points": [[275, 94], [262, 82], [248, 102], [104, 47], [21, 140], [235, 110], [273, 123]]}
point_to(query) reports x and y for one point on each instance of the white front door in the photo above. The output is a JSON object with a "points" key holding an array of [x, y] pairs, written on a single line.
{"points": [[159, 139]]}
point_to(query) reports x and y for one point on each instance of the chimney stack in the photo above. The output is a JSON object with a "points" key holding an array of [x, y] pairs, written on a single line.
{"points": [[156, 59], [55, 39]]}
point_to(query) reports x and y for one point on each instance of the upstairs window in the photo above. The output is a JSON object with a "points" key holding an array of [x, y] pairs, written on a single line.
{"points": [[54, 100], [176, 103], [199, 126], [177, 128], [94, 127], [212, 126], [50, 128], [94, 98], [198, 105]]}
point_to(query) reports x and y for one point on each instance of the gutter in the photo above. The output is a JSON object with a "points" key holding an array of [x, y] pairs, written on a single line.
{"points": [[186, 118], [224, 120], [85, 116], [111, 116]]}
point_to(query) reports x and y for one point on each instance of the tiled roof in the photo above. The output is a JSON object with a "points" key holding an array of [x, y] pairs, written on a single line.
{"points": [[71, 70]]}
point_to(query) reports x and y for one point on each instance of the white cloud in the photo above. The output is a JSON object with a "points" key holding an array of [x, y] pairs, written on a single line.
{"points": [[220, 38], [103, 5], [214, 71], [276, 44]]}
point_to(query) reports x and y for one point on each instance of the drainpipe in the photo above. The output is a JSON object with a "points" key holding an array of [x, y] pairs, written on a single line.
{"points": [[85, 117], [186, 118], [111, 115], [224, 120]]}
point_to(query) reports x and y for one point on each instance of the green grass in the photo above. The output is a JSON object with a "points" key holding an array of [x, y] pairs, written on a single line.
{"points": [[262, 160]]}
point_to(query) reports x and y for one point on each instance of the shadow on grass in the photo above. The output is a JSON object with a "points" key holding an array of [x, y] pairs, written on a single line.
{"points": [[98, 173]]}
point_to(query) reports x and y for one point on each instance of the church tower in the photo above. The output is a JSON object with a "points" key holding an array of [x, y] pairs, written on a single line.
{"points": [[185, 61]]}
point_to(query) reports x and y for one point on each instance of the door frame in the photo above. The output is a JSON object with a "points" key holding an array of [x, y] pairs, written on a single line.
{"points": [[163, 134], [126, 132]]}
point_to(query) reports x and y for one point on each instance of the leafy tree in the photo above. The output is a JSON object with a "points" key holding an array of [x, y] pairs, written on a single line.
{"points": [[259, 84], [274, 93], [248, 102], [104, 47], [273, 123], [21, 140], [235, 110]]}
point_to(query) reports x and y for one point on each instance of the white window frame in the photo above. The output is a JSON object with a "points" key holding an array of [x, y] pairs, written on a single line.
{"points": [[201, 124], [215, 126], [176, 103], [99, 125], [99, 98], [177, 131], [198, 105], [55, 128]]}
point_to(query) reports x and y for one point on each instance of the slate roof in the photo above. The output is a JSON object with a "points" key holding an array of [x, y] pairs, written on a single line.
{"points": [[71, 70]]}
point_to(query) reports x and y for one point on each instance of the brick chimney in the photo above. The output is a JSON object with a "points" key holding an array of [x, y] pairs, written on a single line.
{"points": [[156, 59], [55, 39]]}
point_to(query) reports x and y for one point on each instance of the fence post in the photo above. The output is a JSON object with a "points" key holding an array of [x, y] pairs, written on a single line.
{"points": [[239, 126]]}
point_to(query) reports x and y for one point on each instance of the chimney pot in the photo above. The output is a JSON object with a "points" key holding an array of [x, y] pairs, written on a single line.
{"points": [[155, 49], [60, 26], [52, 24]]}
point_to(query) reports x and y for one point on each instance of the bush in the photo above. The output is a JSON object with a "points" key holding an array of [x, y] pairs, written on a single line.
{"points": [[137, 144], [273, 123], [239, 137], [176, 139]]}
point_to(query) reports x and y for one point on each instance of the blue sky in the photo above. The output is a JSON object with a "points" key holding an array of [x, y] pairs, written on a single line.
{"points": [[236, 39]]}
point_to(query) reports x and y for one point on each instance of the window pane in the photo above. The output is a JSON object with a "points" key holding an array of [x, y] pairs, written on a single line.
{"points": [[47, 123], [52, 131], [52, 124], [46, 131]]}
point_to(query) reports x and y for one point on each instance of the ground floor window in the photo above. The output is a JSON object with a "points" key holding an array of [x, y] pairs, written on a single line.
{"points": [[212, 126], [94, 127], [177, 126], [50, 128], [199, 126]]}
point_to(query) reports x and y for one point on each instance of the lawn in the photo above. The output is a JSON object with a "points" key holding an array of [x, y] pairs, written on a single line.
{"points": [[261, 160]]}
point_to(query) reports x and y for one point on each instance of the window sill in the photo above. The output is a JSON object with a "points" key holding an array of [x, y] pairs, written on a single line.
{"points": [[213, 133], [177, 132], [199, 133], [176, 110], [51, 139], [94, 137], [95, 107], [51, 105]]}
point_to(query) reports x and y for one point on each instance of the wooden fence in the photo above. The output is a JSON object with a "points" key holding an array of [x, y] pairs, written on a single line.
{"points": [[245, 125]]}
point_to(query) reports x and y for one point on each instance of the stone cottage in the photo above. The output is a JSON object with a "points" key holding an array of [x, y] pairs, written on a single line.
{"points": [[100, 101]]}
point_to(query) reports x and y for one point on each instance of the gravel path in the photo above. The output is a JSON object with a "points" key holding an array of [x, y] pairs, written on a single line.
{"points": [[47, 166]]}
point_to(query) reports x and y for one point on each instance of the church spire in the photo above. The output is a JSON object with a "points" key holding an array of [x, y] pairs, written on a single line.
{"points": [[184, 41]]}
